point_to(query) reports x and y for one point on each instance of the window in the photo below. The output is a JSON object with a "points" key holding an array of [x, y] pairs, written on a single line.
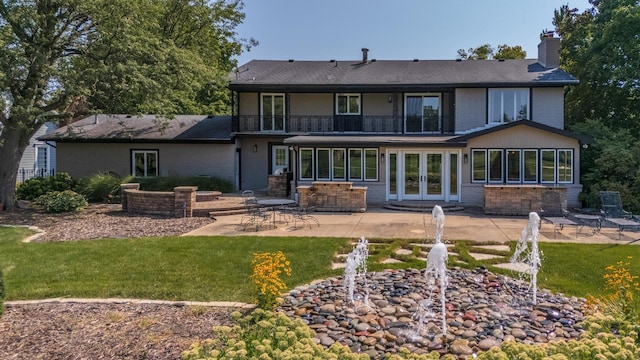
{"points": [[144, 163], [324, 164], [495, 165], [530, 166], [306, 164], [507, 105], [423, 113], [279, 158], [565, 166], [513, 166], [371, 164], [355, 164], [338, 165], [479, 165], [393, 176], [548, 166], [272, 110], [42, 160], [348, 104]]}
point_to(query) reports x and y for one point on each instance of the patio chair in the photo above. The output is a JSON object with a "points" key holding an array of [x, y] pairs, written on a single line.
{"points": [[302, 214], [553, 212], [255, 214], [613, 212]]}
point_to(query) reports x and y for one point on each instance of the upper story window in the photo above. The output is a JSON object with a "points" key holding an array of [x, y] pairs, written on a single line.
{"points": [[348, 104], [507, 105], [423, 113], [272, 112]]}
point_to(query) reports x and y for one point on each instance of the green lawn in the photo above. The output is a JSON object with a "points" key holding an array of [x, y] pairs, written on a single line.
{"points": [[171, 268], [218, 268]]}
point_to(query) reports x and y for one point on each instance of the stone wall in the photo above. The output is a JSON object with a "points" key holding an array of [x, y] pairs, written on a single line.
{"points": [[177, 203], [279, 185], [334, 196], [517, 199]]}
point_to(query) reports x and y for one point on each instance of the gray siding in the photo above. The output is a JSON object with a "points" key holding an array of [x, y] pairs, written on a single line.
{"points": [[471, 109], [548, 106], [82, 160]]}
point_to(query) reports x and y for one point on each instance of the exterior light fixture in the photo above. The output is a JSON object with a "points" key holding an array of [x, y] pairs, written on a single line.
{"points": [[466, 158], [255, 148]]}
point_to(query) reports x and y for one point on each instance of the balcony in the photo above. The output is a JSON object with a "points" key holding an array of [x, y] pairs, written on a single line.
{"points": [[330, 124]]}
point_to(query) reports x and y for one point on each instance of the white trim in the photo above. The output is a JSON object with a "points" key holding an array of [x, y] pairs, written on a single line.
{"points": [[262, 114], [501, 151], [571, 160], [423, 95], [537, 166], [490, 106], [555, 166], [520, 166], [348, 96]]}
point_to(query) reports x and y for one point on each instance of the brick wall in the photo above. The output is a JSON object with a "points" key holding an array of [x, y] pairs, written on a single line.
{"points": [[177, 203], [517, 199], [335, 196]]}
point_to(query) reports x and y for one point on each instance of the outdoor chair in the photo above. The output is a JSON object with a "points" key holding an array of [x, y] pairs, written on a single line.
{"points": [[613, 212], [255, 215], [303, 214], [553, 212]]}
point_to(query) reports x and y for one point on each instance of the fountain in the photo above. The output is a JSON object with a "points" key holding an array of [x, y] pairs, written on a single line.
{"points": [[356, 266], [436, 269], [532, 257]]}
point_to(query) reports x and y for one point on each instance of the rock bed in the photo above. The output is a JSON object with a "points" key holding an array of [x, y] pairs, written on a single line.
{"points": [[482, 310]]}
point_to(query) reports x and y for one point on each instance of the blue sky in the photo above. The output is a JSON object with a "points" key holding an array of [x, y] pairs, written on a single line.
{"points": [[392, 30]]}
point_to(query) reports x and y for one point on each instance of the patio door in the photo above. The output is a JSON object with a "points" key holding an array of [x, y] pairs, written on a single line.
{"points": [[423, 175]]}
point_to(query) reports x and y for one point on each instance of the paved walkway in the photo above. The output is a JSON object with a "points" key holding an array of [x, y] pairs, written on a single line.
{"points": [[380, 223]]}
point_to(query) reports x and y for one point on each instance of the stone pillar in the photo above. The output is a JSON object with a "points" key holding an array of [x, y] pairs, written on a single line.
{"points": [[185, 200], [123, 194]]}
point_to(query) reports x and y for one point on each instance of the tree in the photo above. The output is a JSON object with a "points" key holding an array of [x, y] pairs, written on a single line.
{"points": [[510, 52], [486, 52], [63, 58], [600, 47]]}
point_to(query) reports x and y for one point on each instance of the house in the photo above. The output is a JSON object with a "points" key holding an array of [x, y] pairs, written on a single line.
{"points": [[477, 132], [147, 145], [39, 157]]}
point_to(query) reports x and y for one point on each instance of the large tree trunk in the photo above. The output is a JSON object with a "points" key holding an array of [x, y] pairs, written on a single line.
{"points": [[12, 145]]}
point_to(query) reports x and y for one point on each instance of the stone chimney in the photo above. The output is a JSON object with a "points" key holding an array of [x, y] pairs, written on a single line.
{"points": [[365, 51], [549, 51]]}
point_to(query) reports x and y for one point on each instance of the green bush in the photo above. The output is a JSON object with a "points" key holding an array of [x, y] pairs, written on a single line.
{"points": [[101, 187], [1, 293], [61, 201], [36, 187], [167, 183]]}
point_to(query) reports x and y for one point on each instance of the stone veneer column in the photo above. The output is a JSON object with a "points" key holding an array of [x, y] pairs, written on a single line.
{"points": [[185, 200], [123, 194]]}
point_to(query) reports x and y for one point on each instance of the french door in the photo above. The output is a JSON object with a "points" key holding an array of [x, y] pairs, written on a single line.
{"points": [[423, 174]]}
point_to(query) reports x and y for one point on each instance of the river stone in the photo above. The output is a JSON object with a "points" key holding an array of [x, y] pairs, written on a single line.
{"points": [[488, 343]]}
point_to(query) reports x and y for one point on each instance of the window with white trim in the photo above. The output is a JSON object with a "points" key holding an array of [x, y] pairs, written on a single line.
{"points": [[356, 164], [42, 160], [371, 164], [548, 165], [507, 105], [272, 112], [144, 163], [495, 165], [565, 166], [306, 164], [348, 104], [479, 165], [530, 165], [338, 164], [514, 166], [323, 164]]}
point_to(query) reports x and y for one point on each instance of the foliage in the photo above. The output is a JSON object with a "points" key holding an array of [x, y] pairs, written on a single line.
{"points": [[38, 186], [486, 52], [267, 268], [622, 300], [600, 47], [266, 335], [101, 187], [67, 58], [62, 201], [167, 183]]}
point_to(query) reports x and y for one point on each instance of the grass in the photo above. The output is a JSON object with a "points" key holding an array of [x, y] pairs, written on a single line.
{"points": [[170, 268], [218, 268]]}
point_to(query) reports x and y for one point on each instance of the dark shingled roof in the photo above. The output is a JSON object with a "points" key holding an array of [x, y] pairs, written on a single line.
{"points": [[401, 74], [145, 128]]}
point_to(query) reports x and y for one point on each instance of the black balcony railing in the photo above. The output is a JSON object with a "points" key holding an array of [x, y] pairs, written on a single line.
{"points": [[26, 174], [329, 124]]}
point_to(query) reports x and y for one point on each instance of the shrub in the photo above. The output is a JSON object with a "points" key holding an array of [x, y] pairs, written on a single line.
{"points": [[36, 187], [167, 183], [101, 187], [267, 268], [1, 293], [266, 335], [61, 201]]}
